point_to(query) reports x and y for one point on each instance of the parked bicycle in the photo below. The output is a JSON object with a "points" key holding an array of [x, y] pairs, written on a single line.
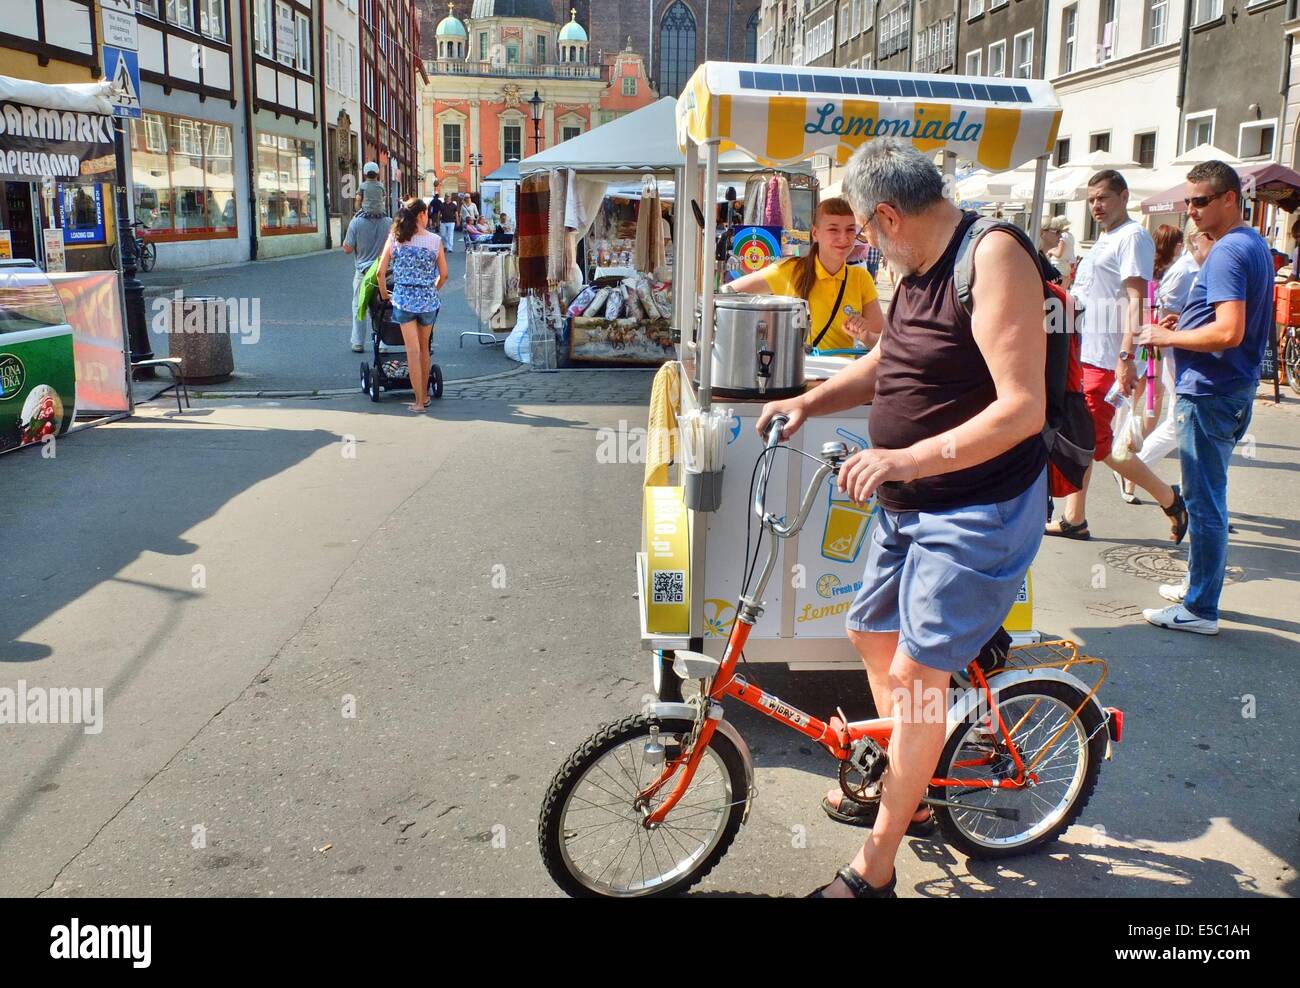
{"points": [[647, 806], [1291, 356], [145, 252]]}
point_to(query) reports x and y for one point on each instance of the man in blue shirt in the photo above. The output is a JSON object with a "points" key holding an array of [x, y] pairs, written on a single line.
{"points": [[1218, 344]]}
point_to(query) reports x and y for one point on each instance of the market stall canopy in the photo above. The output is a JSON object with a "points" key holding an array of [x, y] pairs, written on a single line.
{"points": [[60, 132], [1206, 152], [782, 115], [641, 141], [1266, 182], [509, 172]]}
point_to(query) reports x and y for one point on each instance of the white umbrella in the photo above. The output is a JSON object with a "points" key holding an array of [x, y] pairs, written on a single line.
{"points": [[1205, 152]]}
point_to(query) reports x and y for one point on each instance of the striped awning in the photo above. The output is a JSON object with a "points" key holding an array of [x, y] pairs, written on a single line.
{"points": [[784, 114]]}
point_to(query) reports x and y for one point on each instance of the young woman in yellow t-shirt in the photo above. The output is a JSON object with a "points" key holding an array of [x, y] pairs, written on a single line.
{"points": [[818, 278]]}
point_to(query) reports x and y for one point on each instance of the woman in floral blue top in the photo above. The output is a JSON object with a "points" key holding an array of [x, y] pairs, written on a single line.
{"points": [[419, 270]]}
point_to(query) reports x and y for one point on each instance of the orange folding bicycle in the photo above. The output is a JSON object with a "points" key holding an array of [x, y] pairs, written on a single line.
{"points": [[648, 805]]}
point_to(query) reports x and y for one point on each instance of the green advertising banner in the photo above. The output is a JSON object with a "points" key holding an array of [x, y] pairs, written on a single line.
{"points": [[37, 385]]}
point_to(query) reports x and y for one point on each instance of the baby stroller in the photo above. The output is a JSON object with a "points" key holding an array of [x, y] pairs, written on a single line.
{"points": [[387, 370]]}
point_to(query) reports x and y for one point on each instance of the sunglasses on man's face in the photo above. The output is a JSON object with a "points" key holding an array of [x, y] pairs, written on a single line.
{"points": [[1200, 202]]}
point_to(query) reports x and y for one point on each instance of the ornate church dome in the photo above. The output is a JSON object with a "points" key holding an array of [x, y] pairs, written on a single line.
{"points": [[451, 26], [573, 31]]}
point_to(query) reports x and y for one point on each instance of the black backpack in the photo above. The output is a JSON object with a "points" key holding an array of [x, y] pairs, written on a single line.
{"points": [[1068, 432]]}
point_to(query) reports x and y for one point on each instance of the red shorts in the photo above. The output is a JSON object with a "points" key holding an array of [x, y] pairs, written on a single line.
{"points": [[1096, 382]]}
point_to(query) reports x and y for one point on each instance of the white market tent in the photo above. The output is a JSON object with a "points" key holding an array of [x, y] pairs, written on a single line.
{"points": [[80, 97], [642, 142]]}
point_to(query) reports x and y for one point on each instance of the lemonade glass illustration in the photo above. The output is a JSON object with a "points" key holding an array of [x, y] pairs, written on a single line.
{"points": [[846, 525]]}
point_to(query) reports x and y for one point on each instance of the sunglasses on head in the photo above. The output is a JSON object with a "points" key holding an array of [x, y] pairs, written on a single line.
{"points": [[1200, 202]]}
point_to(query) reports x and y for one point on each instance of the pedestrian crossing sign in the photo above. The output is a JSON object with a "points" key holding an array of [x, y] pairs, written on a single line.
{"points": [[122, 70]]}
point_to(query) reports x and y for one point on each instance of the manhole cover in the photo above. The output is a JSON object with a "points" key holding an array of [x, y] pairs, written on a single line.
{"points": [[1159, 565]]}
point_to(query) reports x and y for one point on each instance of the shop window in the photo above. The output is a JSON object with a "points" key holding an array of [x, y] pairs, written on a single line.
{"points": [[286, 184], [184, 176]]}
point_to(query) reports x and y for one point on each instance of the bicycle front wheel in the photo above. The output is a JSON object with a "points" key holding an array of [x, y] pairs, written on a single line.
{"points": [[1067, 769], [592, 838], [148, 256]]}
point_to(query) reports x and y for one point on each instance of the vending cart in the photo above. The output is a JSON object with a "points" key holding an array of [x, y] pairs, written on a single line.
{"points": [[690, 567]]}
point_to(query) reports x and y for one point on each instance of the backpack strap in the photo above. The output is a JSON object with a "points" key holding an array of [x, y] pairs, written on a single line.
{"points": [[963, 273]]}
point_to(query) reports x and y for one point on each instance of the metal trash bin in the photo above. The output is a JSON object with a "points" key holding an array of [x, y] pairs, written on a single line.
{"points": [[199, 333]]}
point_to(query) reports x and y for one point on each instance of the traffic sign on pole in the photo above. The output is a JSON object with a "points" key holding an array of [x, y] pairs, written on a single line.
{"points": [[122, 70]]}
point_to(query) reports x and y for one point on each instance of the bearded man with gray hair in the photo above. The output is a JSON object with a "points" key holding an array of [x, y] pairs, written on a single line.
{"points": [[958, 466]]}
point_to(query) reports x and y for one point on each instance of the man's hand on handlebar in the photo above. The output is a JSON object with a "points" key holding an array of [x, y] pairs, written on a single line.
{"points": [[791, 408], [865, 471]]}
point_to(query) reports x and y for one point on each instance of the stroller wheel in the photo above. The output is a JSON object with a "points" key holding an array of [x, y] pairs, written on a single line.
{"points": [[435, 381], [365, 378], [376, 384]]}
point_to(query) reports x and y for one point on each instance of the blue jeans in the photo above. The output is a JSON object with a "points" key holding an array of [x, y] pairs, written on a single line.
{"points": [[1209, 426]]}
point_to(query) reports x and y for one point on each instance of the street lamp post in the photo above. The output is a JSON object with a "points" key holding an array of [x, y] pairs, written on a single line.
{"points": [[535, 105], [475, 161]]}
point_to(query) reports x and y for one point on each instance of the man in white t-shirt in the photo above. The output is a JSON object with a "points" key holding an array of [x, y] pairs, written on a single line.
{"points": [[1120, 265]]}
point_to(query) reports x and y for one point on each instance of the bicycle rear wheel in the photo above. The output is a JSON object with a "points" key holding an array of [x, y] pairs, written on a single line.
{"points": [[148, 255], [1291, 361], [591, 836], [1067, 773]]}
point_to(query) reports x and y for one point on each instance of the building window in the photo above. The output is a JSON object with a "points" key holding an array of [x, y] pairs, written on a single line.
{"points": [[1198, 130], [998, 59], [304, 43], [676, 49], [1061, 156], [356, 73], [1207, 10], [1099, 142], [1106, 31], [936, 46], [343, 80], [1069, 37], [974, 8], [149, 7], [569, 133], [1157, 22], [629, 85], [482, 46], [995, 4], [751, 36], [512, 142], [1144, 150], [541, 49], [286, 184], [263, 28], [973, 59], [451, 144], [1255, 139], [181, 13], [512, 54], [895, 33], [1023, 50], [212, 18], [183, 176], [284, 34]]}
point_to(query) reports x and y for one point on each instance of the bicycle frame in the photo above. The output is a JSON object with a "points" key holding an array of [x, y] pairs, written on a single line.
{"points": [[835, 735]]}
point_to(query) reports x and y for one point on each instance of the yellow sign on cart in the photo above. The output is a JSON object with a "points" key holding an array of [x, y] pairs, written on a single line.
{"points": [[668, 562], [1021, 618]]}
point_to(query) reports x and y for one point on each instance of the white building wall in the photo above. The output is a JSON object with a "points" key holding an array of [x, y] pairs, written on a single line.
{"points": [[1128, 90]]}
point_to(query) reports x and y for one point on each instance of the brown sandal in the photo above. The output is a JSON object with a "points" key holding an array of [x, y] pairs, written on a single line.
{"points": [[1067, 530], [1177, 512]]}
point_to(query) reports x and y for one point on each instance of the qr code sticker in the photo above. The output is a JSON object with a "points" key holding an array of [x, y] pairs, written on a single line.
{"points": [[669, 586], [1022, 596]]}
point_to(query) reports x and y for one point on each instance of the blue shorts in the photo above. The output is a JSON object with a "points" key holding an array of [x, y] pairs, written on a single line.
{"points": [[423, 318], [945, 580]]}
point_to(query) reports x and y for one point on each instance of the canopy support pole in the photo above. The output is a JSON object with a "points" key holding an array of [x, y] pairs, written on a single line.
{"points": [[1034, 220], [686, 236], [709, 261]]}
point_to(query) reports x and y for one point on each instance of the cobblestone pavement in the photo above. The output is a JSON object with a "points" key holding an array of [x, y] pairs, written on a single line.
{"points": [[563, 387]]}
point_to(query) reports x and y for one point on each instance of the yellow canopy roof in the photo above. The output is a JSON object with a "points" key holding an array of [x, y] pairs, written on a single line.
{"points": [[783, 114]]}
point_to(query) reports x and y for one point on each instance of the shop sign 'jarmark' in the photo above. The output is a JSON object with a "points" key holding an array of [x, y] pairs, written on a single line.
{"points": [[37, 143]]}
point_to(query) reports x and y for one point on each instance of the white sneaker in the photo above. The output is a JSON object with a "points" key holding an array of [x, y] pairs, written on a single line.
{"points": [[1177, 592], [1179, 618]]}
